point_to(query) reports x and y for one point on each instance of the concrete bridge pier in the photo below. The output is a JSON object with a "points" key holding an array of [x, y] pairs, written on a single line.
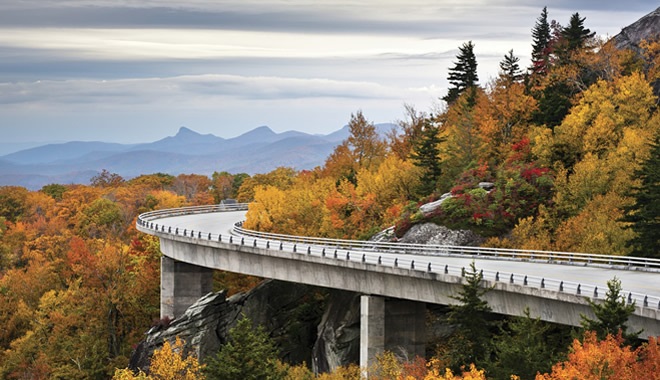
{"points": [[394, 325], [181, 284]]}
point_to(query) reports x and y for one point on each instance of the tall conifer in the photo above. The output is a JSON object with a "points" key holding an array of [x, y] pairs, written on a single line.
{"points": [[541, 44], [463, 76]]}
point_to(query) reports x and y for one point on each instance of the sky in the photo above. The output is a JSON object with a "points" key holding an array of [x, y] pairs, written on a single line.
{"points": [[132, 71]]}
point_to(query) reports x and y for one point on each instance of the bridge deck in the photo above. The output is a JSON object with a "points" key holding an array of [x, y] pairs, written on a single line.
{"points": [[640, 282]]}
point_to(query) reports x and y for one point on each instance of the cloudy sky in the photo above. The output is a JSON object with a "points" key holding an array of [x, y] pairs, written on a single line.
{"points": [[137, 70]]}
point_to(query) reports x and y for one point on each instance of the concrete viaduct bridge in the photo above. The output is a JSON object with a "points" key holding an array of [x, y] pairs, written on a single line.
{"points": [[395, 280]]}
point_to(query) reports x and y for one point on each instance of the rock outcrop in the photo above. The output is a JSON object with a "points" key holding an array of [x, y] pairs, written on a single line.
{"points": [[338, 342], [647, 27], [289, 312], [430, 233]]}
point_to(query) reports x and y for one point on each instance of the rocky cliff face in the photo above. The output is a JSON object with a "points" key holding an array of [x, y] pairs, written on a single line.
{"points": [[647, 27], [289, 312]]}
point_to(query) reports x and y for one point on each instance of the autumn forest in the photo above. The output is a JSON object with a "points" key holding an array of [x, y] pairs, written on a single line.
{"points": [[572, 148]]}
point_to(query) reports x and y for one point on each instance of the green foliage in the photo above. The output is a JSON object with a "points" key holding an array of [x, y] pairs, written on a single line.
{"points": [[463, 76], [426, 155], [250, 354], [523, 348], [510, 69], [541, 43], [470, 342], [645, 213], [612, 314], [56, 191], [574, 36]]}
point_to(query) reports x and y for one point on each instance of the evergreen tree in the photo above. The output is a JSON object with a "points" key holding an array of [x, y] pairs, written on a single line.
{"points": [[510, 69], [471, 341], [250, 354], [644, 214], [611, 315], [426, 155], [541, 38], [523, 349], [575, 35], [463, 76]]}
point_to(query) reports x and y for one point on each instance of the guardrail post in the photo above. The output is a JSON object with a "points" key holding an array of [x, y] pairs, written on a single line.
{"points": [[169, 231], [412, 264], [185, 232], [254, 244], [176, 231], [629, 297], [231, 240], [561, 286], [578, 290], [380, 261], [511, 279], [348, 256], [543, 283], [242, 241], [268, 244], [364, 257], [220, 237], [396, 262], [646, 301], [446, 269], [525, 281], [309, 250], [209, 236], [497, 276], [323, 252], [463, 272], [596, 292], [281, 246], [335, 253], [199, 235], [429, 267], [295, 247]]}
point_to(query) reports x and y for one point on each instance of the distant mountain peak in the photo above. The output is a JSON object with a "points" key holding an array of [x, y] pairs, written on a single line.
{"points": [[185, 132]]}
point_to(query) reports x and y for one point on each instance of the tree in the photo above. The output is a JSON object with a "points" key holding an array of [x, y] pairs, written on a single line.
{"points": [[611, 315], [644, 214], [250, 354], [426, 155], [523, 349], [574, 36], [367, 147], [541, 44], [106, 179], [510, 69], [609, 358], [471, 342], [168, 363], [463, 76]]}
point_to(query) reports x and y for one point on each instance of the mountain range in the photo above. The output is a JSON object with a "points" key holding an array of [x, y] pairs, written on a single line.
{"points": [[257, 151]]}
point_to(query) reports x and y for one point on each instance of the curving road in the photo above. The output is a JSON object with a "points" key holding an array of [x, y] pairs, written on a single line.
{"points": [[552, 275]]}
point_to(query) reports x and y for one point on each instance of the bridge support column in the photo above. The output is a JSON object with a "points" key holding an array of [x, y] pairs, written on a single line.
{"points": [[181, 284], [391, 324]]}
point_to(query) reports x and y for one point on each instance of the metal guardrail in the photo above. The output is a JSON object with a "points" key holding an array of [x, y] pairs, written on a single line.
{"points": [[385, 253]]}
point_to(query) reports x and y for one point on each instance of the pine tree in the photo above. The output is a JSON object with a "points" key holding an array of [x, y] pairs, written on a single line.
{"points": [[645, 213], [575, 34], [250, 354], [471, 341], [463, 76], [541, 38], [426, 155], [523, 349], [510, 69], [611, 315]]}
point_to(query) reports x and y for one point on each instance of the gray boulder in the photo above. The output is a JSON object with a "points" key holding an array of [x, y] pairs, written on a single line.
{"points": [[433, 234]]}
